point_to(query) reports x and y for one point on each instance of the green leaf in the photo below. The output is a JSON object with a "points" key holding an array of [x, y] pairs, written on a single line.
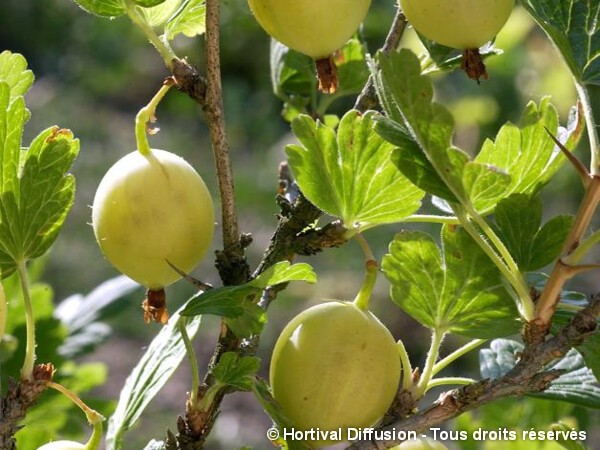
{"points": [[189, 21], [237, 304], [457, 289], [565, 430], [292, 73], [158, 15], [484, 184], [262, 393], [518, 220], [152, 371], [352, 68], [148, 3], [14, 72], [284, 272], [441, 57], [577, 385], [238, 372], [527, 153], [103, 8], [573, 27], [34, 203], [406, 97], [351, 175]]}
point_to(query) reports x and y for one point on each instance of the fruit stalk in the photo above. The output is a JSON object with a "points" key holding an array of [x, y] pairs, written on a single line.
{"points": [[147, 115]]}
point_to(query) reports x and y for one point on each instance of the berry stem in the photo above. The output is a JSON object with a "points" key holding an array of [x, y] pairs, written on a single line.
{"points": [[442, 381], [364, 295], [94, 417], [193, 402], [147, 115], [407, 381], [28, 363]]}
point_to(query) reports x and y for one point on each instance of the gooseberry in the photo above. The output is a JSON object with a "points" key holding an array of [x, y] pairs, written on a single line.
{"points": [[334, 366], [62, 445], [316, 28], [150, 212], [461, 24], [422, 443]]}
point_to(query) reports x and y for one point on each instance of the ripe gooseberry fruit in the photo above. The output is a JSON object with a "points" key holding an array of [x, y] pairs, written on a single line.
{"points": [[334, 366], [62, 445], [461, 24], [315, 28], [421, 444], [149, 211]]}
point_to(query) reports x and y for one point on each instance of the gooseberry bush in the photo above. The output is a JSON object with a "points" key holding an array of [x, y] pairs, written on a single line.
{"points": [[472, 256]]}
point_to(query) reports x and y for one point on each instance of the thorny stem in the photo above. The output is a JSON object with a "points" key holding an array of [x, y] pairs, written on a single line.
{"points": [[28, 363], [147, 115], [550, 296], [368, 97], [446, 361], [216, 123], [166, 52], [189, 349]]}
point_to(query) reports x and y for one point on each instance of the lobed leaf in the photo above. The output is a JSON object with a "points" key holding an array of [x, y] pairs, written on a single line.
{"points": [[350, 175], [577, 385], [518, 220], [457, 289], [190, 20], [14, 72], [573, 27], [103, 8], [237, 304], [157, 16], [236, 371]]}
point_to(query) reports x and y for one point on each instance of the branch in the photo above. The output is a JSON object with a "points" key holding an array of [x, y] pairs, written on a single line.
{"points": [[20, 397], [527, 376], [368, 97]]}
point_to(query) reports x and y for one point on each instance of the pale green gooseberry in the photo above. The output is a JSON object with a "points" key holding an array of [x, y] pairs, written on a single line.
{"points": [[149, 210], [316, 28], [334, 366], [462, 24]]}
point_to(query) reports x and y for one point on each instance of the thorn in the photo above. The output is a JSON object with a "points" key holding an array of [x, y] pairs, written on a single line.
{"points": [[201, 285], [575, 162]]}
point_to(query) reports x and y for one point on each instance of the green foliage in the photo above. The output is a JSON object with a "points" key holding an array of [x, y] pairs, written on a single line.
{"points": [[519, 218], [457, 289], [103, 8], [189, 20], [576, 385], [148, 377], [235, 371], [35, 193], [572, 26], [293, 78], [521, 160], [349, 174], [237, 304]]}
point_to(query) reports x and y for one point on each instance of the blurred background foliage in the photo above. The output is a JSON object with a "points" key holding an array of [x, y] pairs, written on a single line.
{"points": [[92, 76]]}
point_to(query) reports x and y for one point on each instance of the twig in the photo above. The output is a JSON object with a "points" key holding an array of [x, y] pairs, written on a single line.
{"points": [[368, 97], [19, 397], [527, 376]]}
